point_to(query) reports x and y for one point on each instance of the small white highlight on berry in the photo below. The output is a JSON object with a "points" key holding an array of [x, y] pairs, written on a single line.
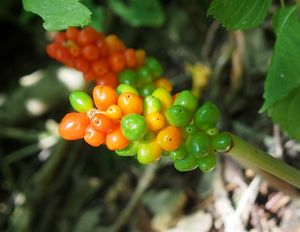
{"points": [[71, 78], [32, 78], [35, 107]]}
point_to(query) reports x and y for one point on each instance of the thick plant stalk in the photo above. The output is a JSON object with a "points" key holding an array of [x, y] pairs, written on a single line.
{"points": [[253, 157]]}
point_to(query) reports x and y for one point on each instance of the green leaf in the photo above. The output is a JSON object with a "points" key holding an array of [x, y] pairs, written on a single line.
{"points": [[59, 14], [239, 14], [283, 76], [139, 13], [286, 113]]}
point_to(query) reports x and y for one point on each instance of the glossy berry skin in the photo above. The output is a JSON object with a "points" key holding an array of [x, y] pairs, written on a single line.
{"points": [[126, 88], [104, 97], [130, 103], [128, 76], [154, 66], [151, 105], [94, 137], [144, 75], [179, 153], [188, 163], [207, 163], [187, 100], [207, 116], [221, 142], [148, 152], [73, 126], [115, 140], [198, 144], [116, 62], [177, 116], [148, 137], [164, 83], [109, 79], [146, 89], [164, 97], [130, 150], [114, 112], [169, 138], [133, 126], [102, 123], [80, 101], [155, 121]]}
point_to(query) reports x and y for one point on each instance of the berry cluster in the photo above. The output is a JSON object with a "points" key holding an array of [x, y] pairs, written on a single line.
{"points": [[106, 60], [147, 127], [132, 111]]}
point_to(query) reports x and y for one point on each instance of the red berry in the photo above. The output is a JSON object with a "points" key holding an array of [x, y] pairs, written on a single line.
{"points": [[100, 67], [82, 64], [90, 52]]}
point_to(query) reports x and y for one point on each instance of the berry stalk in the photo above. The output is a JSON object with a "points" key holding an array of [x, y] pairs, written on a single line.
{"points": [[253, 157]]}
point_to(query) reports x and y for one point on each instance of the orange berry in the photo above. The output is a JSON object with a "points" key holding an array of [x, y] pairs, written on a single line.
{"points": [[130, 58], [114, 112], [130, 103], [94, 137], [72, 33], [90, 76], [51, 49], [116, 62], [74, 50], [169, 138], [141, 56], [108, 79], [102, 123], [73, 126], [114, 44], [155, 121], [104, 97], [164, 83], [115, 140], [90, 52], [100, 67], [86, 36]]}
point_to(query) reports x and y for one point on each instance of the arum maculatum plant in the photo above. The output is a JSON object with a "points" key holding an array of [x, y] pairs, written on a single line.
{"points": [[131, 109]]}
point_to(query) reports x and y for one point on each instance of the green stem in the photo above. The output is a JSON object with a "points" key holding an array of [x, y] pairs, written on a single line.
{"points": [[282, 3], [253, 157]]}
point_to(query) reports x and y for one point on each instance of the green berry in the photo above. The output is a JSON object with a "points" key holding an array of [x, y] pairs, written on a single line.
{"points": [[179, 153], [155, 67], [146, 89], [207, 163], [187, 100], [190, 129], [125, 88], [128, 76], [221, 142], [207, 116], [144, 75], [177, 116], [151, 104], [198, 144], [133, 126], [80, 101], [188, 163], [130, 150], [212, 131], [148, 152]]}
